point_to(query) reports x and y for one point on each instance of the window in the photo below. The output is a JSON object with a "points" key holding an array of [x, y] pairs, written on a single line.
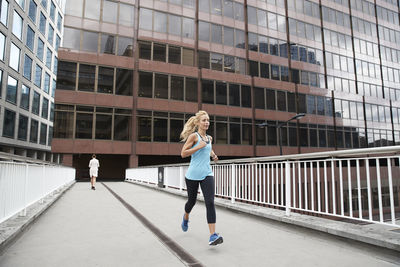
{"points": [[259, 98], [145, 50], [234, 95], [221, 93], [188, 57], [86, 77], [27, 67], [9, 123], [4, 12], [14, 57], [92, 9], [216, 33], [59, 22], [58, 42], [191, 90], [146, 19], [72, 38], [38, 76], [124, 82], [36, 103], [52, 11], [43, 134], [40, 49], [30, 38], [107, 44], [110, 10], [17, 25], [50, 36], [45, 108], [32, 10], [22, 128], [66, 77], [145, 84], [160, 22], [177, 87], [188, 28], [2, 45], [42, 23], [12, 85], [207, 92], [34, 131], [204, 59], [161, 86], [105, 80], [175, 25], [174, 54], [89, 41], [25, 97], [83, 125], [103, 126], [46, 82], [125, 47], [246, 96]]}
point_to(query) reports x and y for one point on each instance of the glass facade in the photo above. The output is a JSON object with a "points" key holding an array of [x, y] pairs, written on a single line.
{"points": [[28, 54]]}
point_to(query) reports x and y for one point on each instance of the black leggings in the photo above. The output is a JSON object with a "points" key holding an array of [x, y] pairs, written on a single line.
{"points": [[207, 187]]}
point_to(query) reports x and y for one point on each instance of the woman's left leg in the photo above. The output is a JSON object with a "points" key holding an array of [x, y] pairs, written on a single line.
{"points": [[207, 187]]}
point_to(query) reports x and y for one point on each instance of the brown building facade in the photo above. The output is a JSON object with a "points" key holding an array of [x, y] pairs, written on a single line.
{"points": [[131, 72]]}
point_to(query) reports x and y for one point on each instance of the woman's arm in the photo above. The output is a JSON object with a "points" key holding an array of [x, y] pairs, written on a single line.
{"points": [[212, 153], [188, 149]]}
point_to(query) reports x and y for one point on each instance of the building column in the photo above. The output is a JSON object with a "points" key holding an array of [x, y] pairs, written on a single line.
{"points": [[67, 160], [133, 161]]}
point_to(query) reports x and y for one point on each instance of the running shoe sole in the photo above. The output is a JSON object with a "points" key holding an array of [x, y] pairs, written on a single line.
{"points": [[217, 241]]}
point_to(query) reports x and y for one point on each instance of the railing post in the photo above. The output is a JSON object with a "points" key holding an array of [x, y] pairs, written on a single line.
{"points": [[43, 193], [233, 183], [23, 213], [181, 178], [287, 187]]}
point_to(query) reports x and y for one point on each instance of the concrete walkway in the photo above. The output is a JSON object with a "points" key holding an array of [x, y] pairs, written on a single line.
{"points": [[93, 228]]}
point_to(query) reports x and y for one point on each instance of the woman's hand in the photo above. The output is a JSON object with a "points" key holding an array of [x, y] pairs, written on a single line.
{"points": [[214, 158]]}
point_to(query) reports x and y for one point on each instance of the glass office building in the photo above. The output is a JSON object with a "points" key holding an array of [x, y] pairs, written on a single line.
{"points": [[30, 34], [131, 72]]}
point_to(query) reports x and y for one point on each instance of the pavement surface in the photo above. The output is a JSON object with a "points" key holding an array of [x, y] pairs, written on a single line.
{"points": [[124, 224]]}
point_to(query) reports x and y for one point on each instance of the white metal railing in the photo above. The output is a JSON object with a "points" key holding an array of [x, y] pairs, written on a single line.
{"points": [[23, 184], [361, 184]]}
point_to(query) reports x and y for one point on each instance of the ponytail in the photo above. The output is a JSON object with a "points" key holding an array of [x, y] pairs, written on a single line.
{"points": [[191, 125]]}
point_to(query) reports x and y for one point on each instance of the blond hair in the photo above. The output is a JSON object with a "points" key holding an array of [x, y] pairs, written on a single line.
{"points": [[192, 124]]}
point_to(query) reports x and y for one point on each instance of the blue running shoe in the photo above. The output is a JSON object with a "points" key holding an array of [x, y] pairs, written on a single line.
{"points": [[215, 239], [184, 224]]}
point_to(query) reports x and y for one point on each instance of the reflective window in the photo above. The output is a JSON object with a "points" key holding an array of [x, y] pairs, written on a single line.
{"points": [[175, 25], [36, 103], [161, 86], [40, 49], [45, 108], [25, 97], [160, 22], [177, 87], [50, 36], [228, 36], [188, 28], [126, 13], [52, 11], [86, 77], [12, 85], [146, 19], [46, 82], [17, 25], [9, 123], [188, 57], [22, 127], [124, 82], [4, 12], [2, 45], [145, 84], [204, 31], [38, 76], [27, 67], [30, 38], [105, 80], [14, 57], [92, 9], [103, 126], [125, 46], [42, 23], [110, 11], [32, 10], [83, 125], [107, 44], [159, 52], [43, 134], [58, 42], [191, 89], [216, 33], [33, 137], [49, 57], [90, 41], [66, 75], [59, 22], [72, 38], [174, 54]]}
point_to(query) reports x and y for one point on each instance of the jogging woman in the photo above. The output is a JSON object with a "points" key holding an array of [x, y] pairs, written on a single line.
{"points": [[198, 146]]}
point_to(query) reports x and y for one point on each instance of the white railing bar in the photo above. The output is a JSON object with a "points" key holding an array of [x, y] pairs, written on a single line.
{"points": [[341, 188], [389, 165], [294, 184], [305, 186], [350, 189], [368, 189], [378, 181], [326, 187], [333, 186], [318, 187], [359, 189], [277, 184], [268, 180], [312, 184], [282, 202], [299, 181]]}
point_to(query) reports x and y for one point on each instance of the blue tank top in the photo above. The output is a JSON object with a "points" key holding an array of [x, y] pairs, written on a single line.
{"points": [[199, 167]]}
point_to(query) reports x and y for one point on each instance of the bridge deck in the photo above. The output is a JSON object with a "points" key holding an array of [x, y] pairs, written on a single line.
{"points": [[94, 228]]}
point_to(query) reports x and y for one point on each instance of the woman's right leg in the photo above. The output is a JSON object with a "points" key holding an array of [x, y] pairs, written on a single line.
{"points": [[192, 189]]}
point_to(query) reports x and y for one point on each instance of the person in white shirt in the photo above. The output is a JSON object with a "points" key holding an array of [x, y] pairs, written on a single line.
{"points": [[94, 168]]}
